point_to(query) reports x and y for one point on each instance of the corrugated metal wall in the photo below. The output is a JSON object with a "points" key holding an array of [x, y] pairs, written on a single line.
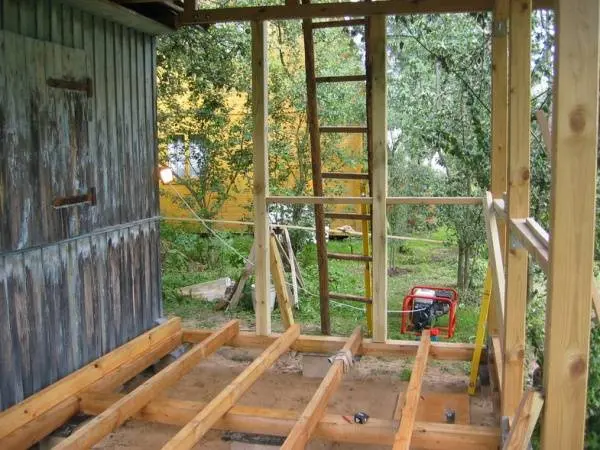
{"points": [[77, 282]]}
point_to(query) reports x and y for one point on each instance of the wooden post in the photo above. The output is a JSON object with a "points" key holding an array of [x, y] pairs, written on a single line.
{"points": [[499, 164], [573, 198], [261, 176], [377, 65], [518, 203], [524, 422]]}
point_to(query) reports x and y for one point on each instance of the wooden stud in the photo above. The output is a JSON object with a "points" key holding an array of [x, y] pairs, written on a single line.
{"points": [[96, 429], [518, 203], [377, 70], [190, 434], [342, 9], [33, 407], [536, 247], [261, 176], [332, 427], [524, 422], [447, 351], [499, 154], [572, 223], [403, 438], [433, 201], [295, 274], [283, 297], [314, 411]]}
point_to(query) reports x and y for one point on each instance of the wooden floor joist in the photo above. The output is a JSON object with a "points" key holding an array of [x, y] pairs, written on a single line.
{"points": [[196, 428], [447, 351], [95, 430], [314, 411], [39, 414], [403, 438], [332, 427]]}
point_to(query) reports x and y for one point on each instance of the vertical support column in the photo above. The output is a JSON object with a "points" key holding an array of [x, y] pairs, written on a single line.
{"points": [[377, 63], [261, 176], [499, 181], [518, 203], [573, 197]]}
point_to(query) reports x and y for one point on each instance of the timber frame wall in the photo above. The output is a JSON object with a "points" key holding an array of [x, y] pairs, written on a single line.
{"points": [[512, 235]]}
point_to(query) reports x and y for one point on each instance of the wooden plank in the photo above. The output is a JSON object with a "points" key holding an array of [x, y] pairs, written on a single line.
{"points": [[45, 423], [190, 434], [312, 118], [332, 427], [314, 411], [449, 351], [524, 421], [348, 216], [339, 23], [378, 137], [495, 260], [32, 407], [537, 248], [310, 200], [96, 429], [260, 107], [280, 283], [246, 272], [572, 217], [342, 9], [402, 440], [496, 350], [295, 272], [433, 200], [518, 203]]}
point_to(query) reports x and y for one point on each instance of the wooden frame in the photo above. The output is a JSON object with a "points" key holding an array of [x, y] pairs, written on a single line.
{"points": [[343, 9], [90, 391]]}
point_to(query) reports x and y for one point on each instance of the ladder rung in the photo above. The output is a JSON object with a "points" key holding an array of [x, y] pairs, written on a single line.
{"points": [[339, 23], [349, 257], [348, 216], [345, 175], [341, 78], [347, 129], [352, 298]]}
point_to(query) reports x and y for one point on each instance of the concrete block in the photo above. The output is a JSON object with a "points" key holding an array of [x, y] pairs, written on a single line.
{"points": [[315, 365]]}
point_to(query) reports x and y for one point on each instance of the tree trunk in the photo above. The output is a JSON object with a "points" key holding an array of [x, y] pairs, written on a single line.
{"points": [[467, 267], [461, 267]]}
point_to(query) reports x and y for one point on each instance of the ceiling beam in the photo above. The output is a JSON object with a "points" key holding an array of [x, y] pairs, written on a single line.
{"points": [[344, 9]]}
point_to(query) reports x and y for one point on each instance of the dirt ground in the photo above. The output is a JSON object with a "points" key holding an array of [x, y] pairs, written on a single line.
{"points": [[372, 386]]}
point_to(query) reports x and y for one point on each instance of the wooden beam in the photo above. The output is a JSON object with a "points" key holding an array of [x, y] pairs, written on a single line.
{"points": [[446, 351], [572, 223], [524, 422], [190, 434], [314, 411], [433, 201], [281, 289], [260, 112], [495, 260], [518, 203], [499, 123], [342, 9], [536, 247], [33, 407], [96, 429], [403, 438], [377, 69], [310, 200], [332, 427]]}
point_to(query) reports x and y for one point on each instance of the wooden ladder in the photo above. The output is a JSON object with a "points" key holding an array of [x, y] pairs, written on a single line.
{"points": [[315, 131]]}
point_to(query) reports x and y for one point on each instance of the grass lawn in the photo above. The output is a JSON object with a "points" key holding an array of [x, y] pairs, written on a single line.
{"points": [[190, 259]]}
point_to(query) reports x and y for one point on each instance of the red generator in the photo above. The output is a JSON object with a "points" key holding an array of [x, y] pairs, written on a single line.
{"points": [[424, 305]]}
